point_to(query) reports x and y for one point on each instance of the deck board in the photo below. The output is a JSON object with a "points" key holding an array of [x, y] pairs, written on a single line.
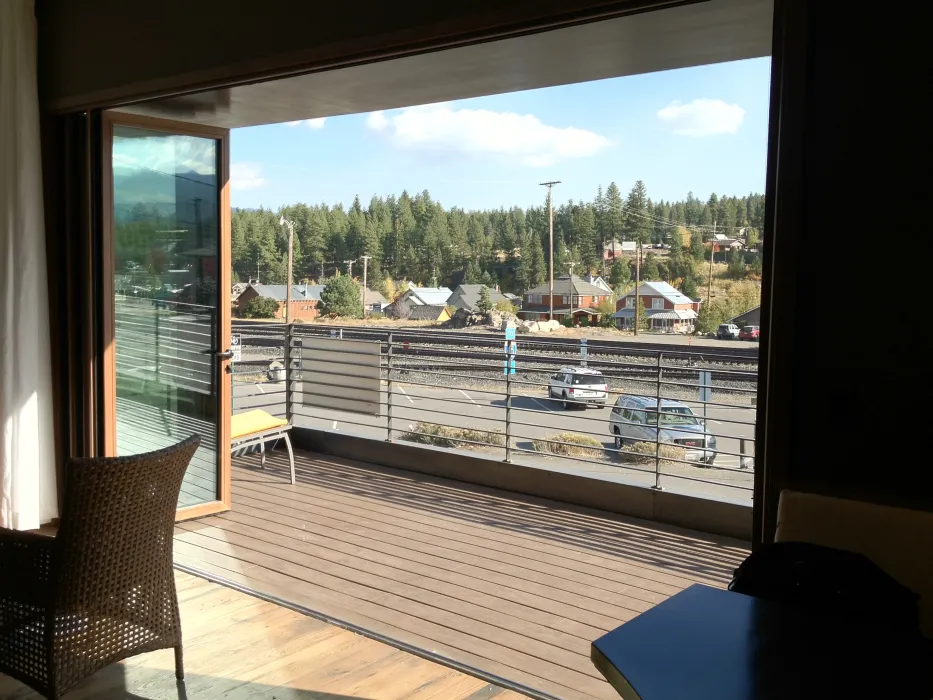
{"points": [[240, 647], [515, 587]]}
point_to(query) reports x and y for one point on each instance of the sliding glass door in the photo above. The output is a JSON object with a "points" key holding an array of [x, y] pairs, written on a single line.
{"points": [[167, 328]]}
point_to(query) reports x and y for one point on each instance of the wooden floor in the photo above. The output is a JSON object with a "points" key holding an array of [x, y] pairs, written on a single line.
{"points": [[238, 647], [516, 588]]}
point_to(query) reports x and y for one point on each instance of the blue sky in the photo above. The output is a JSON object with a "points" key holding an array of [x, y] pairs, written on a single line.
{"points": [[702, 129]]}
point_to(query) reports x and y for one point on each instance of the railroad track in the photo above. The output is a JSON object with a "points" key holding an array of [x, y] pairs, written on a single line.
{"points": [[263, 335]]}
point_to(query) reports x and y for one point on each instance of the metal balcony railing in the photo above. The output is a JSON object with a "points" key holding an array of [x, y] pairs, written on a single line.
{"points": [[452, 390]]}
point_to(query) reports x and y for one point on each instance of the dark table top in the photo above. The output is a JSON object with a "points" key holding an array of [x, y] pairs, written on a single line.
{"points": [[710, 643]]}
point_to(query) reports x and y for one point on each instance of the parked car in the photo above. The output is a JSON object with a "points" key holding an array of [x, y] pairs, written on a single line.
{"points": [[635, 419], [727, 331], [578, 386], [749, 333]]}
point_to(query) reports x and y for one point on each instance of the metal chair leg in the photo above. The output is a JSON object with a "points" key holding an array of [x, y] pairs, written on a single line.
{"points": [[262, 455], [291, 456]]}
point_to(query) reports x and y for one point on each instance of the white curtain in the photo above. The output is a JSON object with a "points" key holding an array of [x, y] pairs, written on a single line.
{"points": [[27, 450]]}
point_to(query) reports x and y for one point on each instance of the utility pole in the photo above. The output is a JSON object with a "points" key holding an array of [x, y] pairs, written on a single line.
{"points": [[322, 273], [550, 216], [349, 264], [434, 277], [712, 253], [365, 259], [571, 265], [396, 247], [288, 281], [637, 283]]}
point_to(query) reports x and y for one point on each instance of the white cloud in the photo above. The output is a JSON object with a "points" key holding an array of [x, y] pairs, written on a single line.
{"points": [[315, 124], [702, 117], [517, 137], [377, 121], [244, 176]]}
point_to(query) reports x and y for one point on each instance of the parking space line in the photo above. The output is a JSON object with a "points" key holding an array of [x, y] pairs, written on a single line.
{"points": [[465, 394], [402, 389], [540, 403]]}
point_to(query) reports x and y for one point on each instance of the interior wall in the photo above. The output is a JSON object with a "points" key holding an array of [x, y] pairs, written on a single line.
{"points": [[103, 52], [852, 264]]}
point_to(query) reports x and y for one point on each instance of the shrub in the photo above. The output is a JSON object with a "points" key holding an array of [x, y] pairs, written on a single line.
{"points": [[506, 306], [570, 445], [260, 307], [644, 453], [376, 314], [446, 436]]}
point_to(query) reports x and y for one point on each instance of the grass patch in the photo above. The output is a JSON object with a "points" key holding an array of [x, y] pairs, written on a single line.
{"points": [[644, 453], [570, 445], [446, 436]]}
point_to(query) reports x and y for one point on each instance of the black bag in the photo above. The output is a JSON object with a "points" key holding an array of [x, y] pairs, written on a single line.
{"points": [[828, 581]]}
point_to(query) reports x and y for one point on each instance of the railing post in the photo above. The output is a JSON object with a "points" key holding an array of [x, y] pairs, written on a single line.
{"points": [[288, 372], [657, 435], [389, 390], [508, 407]]}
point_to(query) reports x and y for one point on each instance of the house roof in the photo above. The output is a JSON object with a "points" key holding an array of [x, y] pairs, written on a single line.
{"points": [[466, 296], [428, 295], [374, 297], [598, 282], [672, 294], [300, 292], [426, 312], [755, 310], [563, 285]]}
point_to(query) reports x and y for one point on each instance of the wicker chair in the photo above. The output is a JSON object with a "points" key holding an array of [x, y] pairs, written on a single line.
{"points": [[103, 589]]}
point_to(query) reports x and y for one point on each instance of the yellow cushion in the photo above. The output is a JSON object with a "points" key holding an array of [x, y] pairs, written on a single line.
{"points": [[256, 421]]}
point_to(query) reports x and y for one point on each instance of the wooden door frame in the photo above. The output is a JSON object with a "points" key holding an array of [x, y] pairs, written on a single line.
{"points": [[108, 317]]}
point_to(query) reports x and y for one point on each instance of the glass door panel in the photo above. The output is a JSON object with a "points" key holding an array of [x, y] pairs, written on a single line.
{"points": [[165, 245]]}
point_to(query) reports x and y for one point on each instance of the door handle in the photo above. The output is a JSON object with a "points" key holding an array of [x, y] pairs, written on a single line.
{"points": [[224, 355]]}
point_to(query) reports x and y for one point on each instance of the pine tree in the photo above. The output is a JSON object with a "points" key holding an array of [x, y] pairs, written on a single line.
{"points": [[736, 264], [689, 287], [614, 216], [697, 247], [473, 274], [638, 224], [484, 305], [621, 274], [649, 268], [584, 235]]}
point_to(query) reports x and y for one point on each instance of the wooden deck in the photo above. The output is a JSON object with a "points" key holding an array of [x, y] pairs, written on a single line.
{"points": [[238, 647], [515, 588]]}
